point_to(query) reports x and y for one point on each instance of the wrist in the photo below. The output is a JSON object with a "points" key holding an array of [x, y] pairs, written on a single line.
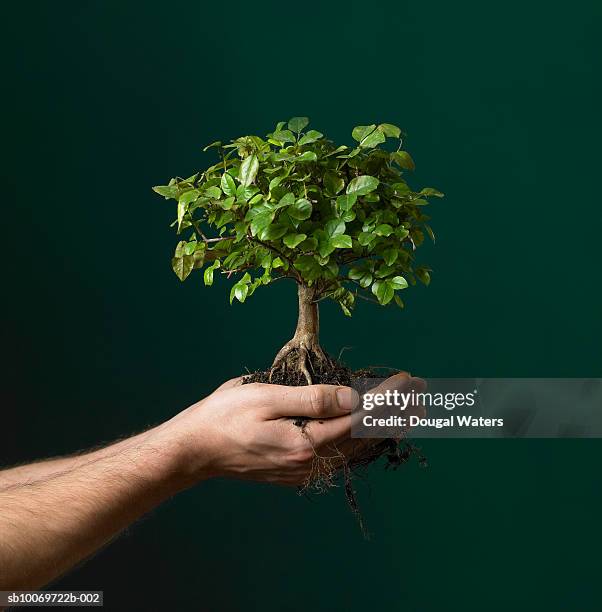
{"points": [[183, 456]]}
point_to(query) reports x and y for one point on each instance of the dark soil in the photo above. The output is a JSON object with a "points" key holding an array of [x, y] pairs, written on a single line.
{"points": [[395, 452], [337, 374]]}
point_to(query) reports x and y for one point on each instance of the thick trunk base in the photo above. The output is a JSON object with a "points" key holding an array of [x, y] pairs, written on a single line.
{"points": [[303, 354], [303, 357]]}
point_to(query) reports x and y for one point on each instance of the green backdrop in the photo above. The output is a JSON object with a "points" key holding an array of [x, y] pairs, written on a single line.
{"points": [[501, 102]]}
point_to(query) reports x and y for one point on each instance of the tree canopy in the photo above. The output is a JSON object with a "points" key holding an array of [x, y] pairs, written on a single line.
{"points": [[339, 219]]}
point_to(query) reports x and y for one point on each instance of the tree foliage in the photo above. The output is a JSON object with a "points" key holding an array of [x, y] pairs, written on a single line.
{"points": [[294, 204]]}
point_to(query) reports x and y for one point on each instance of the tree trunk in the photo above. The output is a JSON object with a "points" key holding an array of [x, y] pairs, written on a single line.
{"points": [[303, 351], [308, 323]]}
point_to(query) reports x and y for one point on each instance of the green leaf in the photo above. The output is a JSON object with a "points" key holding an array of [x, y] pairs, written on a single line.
{"points": [[398, 282], [182, 266], [226, 217], [308, 266], [341, 241], [273, 231], [346, 202], [167, 191], [217, 143], [390, 130], [373, 140], [214, 192], [390, 255], [401, 189], [199, 257], [417, 236], [301, 209], [430, 192], [362, 185], [361, 131], [180, 248], [275, 182], [325, 247], [429, 231], [286, 200], [292, 240], [208, 274], [228, 185], [228, 203], [189, 196], [239, 291], [334, 227], [402, 232], [245, 193], [423, 276], [399, 301], [355, 273], [308, 156], [366, 280], [383, 291], [365, 238], [261, 221], [333, 183], [384, 270], [296, 124], [368, 136], [248, 170], [181, 213], [189, 248], [383, 230], [309, 244], [284, 136], [310, 137], [403, 160]]}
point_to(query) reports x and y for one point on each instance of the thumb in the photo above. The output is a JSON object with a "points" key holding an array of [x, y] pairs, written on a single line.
{"points": [[313, 401]]}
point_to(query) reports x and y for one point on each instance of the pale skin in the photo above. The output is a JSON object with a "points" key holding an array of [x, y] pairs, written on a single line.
{"points": [[55, 513]]}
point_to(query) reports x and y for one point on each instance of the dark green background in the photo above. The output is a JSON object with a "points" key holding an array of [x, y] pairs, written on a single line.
{"points": [[501, 102]]}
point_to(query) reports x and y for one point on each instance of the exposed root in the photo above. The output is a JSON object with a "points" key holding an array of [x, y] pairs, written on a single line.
{"points": [[323, 471], [305, 359], [352, 500]]}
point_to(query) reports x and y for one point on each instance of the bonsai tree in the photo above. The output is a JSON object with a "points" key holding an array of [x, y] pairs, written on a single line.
{"points": [[340, 221]]}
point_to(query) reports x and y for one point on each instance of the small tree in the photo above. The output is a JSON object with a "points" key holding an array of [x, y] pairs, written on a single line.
{"points": [[341, 222]]}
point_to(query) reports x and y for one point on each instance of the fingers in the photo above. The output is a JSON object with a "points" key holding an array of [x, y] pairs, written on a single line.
{"points": [[314, 401], [402, 383], [328, 431]]}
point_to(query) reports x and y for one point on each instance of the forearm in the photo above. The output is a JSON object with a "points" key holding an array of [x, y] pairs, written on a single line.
{"points": [[49, 524], [28, 473]]}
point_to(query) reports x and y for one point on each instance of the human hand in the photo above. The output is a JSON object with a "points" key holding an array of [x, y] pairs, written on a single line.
{"points": [[247, 431], [361, 448]]}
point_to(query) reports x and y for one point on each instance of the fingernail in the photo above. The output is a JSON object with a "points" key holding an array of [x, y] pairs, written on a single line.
{"points": [[346, 398]]}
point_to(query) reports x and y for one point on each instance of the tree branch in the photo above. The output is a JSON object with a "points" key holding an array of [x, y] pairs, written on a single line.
{"points": [[279, 253]]}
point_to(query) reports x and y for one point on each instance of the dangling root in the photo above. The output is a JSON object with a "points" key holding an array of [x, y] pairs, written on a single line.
{"points": [[322, 475], [323, 469]]}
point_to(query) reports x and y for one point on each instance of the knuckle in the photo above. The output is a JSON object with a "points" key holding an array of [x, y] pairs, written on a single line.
{"points": [[317, 401]]}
